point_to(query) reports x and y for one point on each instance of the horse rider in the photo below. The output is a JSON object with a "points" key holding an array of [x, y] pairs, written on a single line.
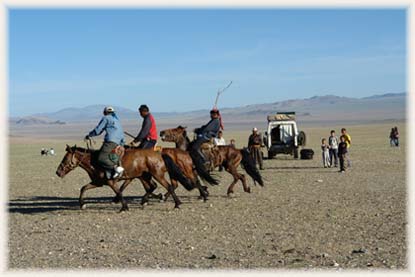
{"points": [[148, 133], [114, 137], [254, 145], [206, 133]]}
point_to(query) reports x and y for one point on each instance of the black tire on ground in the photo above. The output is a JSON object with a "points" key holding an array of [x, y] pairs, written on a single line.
{"points": [[307, 154], [295, 153]]}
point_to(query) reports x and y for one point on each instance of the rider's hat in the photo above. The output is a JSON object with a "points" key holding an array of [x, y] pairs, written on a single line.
{"points": [[255, 129], [109, 109], [214, 110]]}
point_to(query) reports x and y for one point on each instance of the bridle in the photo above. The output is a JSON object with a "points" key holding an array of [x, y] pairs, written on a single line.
{"points": [[72, 165]]}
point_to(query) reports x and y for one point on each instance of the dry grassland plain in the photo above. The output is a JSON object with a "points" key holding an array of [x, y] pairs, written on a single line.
{"points": [[305, 217]]}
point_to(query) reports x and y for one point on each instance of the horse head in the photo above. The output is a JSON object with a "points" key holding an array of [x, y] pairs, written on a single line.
{"points": [[69, 162], [174, 134]]}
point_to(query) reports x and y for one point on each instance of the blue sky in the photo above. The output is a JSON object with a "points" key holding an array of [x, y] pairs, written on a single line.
{"points": [[176, 60]]}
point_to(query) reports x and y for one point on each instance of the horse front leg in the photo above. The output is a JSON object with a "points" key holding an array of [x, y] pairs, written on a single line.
{"points": [[169, 187], [116, 199], [113, 185], [82, 204]]}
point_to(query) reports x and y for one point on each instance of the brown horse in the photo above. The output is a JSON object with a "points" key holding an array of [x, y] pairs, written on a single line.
{"points": [[228, 156], [184, 162], [136, 162]]}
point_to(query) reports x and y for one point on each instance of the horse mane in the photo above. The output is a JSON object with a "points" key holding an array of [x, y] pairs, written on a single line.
{"points": [[84, 150]]}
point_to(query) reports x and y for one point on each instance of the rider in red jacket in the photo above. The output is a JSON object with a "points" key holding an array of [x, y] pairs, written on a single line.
{"points": [[148, 133]]}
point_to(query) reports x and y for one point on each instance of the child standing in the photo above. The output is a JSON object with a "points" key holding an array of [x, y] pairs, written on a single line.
{"points": [[342, 151], [334, 145], [325, 154]]}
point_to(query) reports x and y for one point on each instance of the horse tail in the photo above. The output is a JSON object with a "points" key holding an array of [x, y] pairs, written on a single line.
{"points": [[176, 173], [249, 166], [201, 170]]}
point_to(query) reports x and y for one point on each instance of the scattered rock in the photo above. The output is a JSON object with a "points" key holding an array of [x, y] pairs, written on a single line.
{"points": [[359, 251], [289, 251]]}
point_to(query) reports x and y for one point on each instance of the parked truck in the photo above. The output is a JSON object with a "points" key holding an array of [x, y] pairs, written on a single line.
{"points": [[282, 135]]}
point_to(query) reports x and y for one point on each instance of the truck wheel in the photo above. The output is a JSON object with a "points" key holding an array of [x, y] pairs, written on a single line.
{"points": [[270, 155], [301, 138], [295, 153]]}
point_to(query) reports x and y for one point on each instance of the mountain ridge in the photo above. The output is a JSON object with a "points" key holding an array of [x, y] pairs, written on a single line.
{"points": [[392, 104]]}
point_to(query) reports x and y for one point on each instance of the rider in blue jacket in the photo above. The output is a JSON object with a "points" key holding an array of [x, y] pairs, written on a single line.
{"points": [[114, 136]]}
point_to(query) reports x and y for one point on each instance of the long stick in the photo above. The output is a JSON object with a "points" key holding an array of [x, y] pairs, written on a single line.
{"points": [[220, 92], [128, 134]]}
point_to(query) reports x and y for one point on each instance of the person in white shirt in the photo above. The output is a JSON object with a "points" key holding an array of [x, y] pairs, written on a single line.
{"points": [[220, 140], [52, 152]]}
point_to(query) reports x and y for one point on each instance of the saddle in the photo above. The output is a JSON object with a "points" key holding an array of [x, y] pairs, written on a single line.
{"points": [[157, 148]]}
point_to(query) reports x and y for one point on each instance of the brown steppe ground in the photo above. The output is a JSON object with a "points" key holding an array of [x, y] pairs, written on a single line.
{"points": [[305, 217]]}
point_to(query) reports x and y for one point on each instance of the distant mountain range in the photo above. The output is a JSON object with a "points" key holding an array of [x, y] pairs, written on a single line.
{"points": [[316, 108]]}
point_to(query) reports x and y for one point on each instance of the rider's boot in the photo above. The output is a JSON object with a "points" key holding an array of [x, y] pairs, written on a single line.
{"points": [[118, 172]]}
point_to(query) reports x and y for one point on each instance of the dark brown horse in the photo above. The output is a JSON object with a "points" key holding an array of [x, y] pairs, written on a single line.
{"points": [[228, 156], [136, 162]]}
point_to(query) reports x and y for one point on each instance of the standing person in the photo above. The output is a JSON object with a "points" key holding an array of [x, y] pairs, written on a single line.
{"points": [[325, 153], [219, 141], [342, 153], [254, 146], [392, 137], [148, 133], [396, 136], [204, 134], [348, 141], [114, 137], [333, 144]]}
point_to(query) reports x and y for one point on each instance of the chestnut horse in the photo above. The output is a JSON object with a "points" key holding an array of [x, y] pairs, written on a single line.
{"points": [[183, 160], [136, 162], [228, 156]]}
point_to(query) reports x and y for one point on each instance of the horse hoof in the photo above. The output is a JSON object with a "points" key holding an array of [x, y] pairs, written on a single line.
{"points": [[176, 207], [160, 196], [248, 190], [231, 195], [83, 206]]}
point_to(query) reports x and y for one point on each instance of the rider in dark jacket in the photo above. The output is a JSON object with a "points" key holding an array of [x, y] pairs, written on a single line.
{"points": [[206, 132]]}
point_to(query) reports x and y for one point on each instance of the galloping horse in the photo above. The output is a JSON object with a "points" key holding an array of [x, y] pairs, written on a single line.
{"points": [[228, 156], [184, 162], [136, 162]]}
